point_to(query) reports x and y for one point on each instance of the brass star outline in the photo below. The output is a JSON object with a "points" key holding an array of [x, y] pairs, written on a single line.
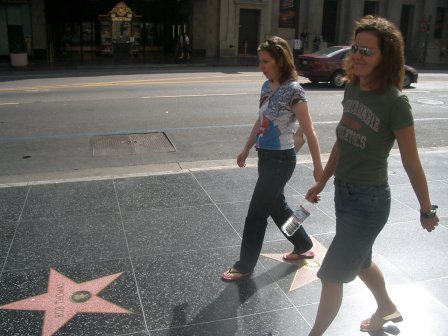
{"points": [[306, 268], [65, 298]]}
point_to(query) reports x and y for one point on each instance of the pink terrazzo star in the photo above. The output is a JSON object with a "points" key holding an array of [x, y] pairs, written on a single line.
{"points": [[307, 268], [65, 298]]}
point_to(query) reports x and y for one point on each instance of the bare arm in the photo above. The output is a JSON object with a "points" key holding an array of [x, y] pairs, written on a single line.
{"points": [[241, 158], [411, 163], [328, 172], [303, 116]]}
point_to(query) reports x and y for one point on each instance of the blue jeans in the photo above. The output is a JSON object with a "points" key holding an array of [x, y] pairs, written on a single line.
{"points": [[275, 168], [361, 213]]}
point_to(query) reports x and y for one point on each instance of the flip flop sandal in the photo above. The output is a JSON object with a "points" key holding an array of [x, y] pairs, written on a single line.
{"points": [[376, 323], [234, 275], [292, 256]]}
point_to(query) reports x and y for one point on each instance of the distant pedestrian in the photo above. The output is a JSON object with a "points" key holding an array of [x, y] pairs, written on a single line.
{"points": [[375, 114], [304, 39], [64, 43], [316, 43], [183, 50], [186, 47], [180, 47]]}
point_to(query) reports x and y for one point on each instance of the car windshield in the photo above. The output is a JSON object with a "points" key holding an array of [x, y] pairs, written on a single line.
{"points": [[328, 51]]}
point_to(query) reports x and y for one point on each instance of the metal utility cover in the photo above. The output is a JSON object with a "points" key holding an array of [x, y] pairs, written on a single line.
{"points": [[137, 143]]}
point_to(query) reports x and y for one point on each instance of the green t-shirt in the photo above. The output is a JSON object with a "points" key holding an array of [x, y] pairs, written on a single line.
{"points": [[365, 133]]}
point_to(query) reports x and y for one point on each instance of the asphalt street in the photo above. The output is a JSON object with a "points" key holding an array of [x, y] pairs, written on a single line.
{"points": [[48, 120]]}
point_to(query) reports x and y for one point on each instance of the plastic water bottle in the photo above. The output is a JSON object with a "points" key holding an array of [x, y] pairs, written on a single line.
{"points": [[293, 223]]}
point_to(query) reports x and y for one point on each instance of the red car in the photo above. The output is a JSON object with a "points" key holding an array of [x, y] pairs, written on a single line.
{"points": [[326, 66]]}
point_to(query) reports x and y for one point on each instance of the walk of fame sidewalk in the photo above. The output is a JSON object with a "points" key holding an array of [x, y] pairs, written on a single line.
{"points": [[142, 253]]}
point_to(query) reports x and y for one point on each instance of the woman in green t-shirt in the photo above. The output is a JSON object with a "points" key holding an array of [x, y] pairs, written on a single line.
{"points": [[375, 114]]}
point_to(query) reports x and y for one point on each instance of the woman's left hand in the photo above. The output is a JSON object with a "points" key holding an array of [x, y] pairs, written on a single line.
{"points": [[312, 194]]}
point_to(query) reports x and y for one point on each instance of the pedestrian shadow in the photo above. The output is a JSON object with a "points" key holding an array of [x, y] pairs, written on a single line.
{"points": [[223, 310], [386, 331]]}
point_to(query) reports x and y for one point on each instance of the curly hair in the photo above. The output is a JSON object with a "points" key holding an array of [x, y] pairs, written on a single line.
{"points": [[391, 68], [279, 50]]}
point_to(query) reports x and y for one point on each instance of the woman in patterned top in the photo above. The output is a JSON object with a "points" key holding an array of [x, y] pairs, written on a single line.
{"points": [[282, 104], [375, 114]]}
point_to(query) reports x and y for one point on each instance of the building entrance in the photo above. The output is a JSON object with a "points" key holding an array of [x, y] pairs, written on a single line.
{"points": [[248, 31], [120, 32], [99, 31]]}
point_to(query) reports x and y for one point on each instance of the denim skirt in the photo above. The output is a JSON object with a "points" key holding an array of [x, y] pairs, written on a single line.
{"points": [[361, 213]]}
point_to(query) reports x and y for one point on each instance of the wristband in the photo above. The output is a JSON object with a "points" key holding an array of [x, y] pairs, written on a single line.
{"points": [[430, 214]]}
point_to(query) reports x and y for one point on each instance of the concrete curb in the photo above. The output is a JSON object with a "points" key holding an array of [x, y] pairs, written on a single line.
{"points": [[108, 173]]}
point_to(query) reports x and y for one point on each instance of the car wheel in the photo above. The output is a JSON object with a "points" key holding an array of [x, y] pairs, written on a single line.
{"points": [[337, 80], [407, 79]]}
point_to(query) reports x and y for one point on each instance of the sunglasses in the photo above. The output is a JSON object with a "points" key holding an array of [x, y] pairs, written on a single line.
{"points": [[363, 51]]}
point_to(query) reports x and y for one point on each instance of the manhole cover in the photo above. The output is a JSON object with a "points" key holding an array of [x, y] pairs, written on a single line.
{"points": [[137, 143]]}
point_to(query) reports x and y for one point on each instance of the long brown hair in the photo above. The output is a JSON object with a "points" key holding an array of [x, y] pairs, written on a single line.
{"points": [[279, 50], [391, 68]]}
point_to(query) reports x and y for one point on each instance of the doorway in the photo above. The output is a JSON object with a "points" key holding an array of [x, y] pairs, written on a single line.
{"points": [[248, 31], [329, 20], [407, 17]]}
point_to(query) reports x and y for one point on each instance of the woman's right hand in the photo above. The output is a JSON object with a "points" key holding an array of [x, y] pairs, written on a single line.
{"points": [[241, 158]]}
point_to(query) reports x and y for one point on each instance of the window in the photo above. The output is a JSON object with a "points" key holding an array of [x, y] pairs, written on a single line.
{"points": [[440, 20], [406, 19], [287, 14], [371, 8]]}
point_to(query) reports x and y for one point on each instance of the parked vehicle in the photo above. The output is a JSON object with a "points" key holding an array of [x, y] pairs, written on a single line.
{"points": [[326, 66]]}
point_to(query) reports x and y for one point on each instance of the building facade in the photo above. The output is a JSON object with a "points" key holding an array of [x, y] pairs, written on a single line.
{"points": [[330, 22], [52, 29]]}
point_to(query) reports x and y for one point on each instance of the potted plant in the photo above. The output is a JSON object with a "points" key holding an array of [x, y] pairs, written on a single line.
{"points": [[17, 49]]}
